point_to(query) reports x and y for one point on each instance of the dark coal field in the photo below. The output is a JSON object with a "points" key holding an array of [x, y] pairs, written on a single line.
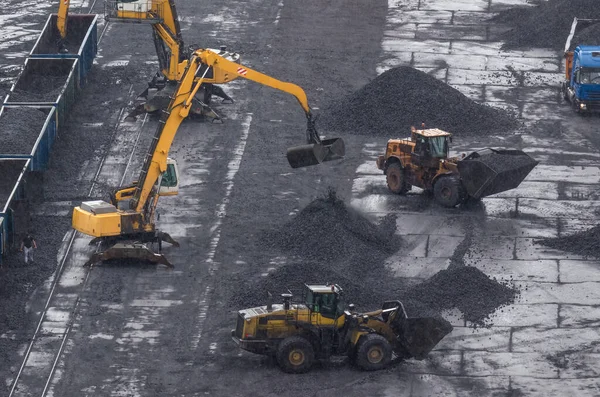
{"points": [[585, 243], [19, 129], [339, 245], [546, 25], [403, 97]]}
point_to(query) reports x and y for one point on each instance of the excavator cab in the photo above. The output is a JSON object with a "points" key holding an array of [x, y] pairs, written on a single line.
{"points": [[169, 180]]}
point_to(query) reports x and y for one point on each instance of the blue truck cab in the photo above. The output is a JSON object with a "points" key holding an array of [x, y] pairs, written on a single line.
{"points": [[583, 84]]}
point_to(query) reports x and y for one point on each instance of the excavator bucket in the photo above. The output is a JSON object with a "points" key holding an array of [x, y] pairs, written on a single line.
{"points": [[138, 251], [316, 153], [491, 171], [418, 336]]}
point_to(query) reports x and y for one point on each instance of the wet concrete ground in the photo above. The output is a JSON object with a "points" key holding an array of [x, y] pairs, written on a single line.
{"points": [[141, 330]]}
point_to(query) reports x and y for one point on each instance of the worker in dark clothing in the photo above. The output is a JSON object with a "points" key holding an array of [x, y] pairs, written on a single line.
{"points": [[28, 244]]}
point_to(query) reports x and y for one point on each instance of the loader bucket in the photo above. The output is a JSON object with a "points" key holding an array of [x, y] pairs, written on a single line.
{"points": [[418, 336], [313, 154], [493, 171]]}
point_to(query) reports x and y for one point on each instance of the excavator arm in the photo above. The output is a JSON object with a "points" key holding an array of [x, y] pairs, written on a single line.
{"points": [[316, 150], [61, 22]]}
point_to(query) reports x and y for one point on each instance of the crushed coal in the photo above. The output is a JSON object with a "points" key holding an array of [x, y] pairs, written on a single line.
{"points": [[546, 25], [9, 175], [464, 287], [585, 243], [403, 97], [327, 229], [39, 88], [20, 129], [588, 36], [77, 27], [335, 244]]}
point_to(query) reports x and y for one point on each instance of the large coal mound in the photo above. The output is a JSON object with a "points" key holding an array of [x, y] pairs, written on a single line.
{"points": [[585, 243], [547, 25], [403, 97]]}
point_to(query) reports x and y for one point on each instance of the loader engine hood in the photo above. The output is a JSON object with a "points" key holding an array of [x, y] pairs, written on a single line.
{"points": [[248, 320], [492, 171]]}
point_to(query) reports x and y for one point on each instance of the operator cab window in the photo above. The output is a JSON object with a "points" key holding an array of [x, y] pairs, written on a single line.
{"points": [[169, 177]]}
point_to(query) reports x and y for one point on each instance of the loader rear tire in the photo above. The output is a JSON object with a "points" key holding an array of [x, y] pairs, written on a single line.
{"points": [[295, 355], [396, 180], [449, 191], [373, 353]]}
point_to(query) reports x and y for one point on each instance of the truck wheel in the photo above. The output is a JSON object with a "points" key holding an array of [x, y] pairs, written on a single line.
{"points": [[295, 355], [395, 179], [373, 353], [449, 191]]}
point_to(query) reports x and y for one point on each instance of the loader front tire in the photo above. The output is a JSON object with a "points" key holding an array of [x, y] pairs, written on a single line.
{"points": [[373, 353], [449, 191], [396, 180], [295, 355]]}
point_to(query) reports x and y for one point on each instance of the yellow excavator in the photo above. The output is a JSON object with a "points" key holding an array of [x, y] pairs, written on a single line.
{"points": [[61, 24], [323, 326], [172, 56], [124, 226]]}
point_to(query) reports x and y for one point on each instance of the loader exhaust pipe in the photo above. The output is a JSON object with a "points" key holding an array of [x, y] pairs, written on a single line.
{"points": [[317, 150]]}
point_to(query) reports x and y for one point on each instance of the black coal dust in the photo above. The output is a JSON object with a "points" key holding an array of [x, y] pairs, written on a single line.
{"points": [[585, 243], [546, 25], [403, 97], [329, 242]]}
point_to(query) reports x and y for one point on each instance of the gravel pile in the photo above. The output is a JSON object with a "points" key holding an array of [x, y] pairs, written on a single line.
{"points": [[402, 97], [19, 129], [39, 88], [585, 243], [545, 25]]}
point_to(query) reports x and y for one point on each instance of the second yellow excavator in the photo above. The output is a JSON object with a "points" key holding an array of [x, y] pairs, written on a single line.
{"points": [[124, 226]]}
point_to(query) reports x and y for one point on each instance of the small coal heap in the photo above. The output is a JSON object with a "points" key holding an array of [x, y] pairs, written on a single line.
{"points": [[403, 97], [465, 288], [585, 243], [546, 25], [587, 36], [328, 230]]}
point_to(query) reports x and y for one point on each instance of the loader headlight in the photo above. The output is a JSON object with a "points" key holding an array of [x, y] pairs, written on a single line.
{"points": [[582, 106]]}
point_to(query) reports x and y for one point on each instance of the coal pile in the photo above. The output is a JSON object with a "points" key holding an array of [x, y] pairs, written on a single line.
{"points": [[546, 25], [465, 288], [9, 174], [40, 88], [587, 36], [403, 97], [585, 243], [77, 27], [505, 163], [20, 128], [328, 230]]}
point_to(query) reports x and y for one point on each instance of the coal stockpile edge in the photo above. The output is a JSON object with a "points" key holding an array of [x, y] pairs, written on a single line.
{"points": [[20, 129], [585, 243], [403, 97], [546, 25], [345, 254]]}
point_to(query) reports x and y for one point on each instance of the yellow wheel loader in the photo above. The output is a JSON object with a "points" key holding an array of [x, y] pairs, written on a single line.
{"points": [[124, 226], [322, 327], [423, 161]]}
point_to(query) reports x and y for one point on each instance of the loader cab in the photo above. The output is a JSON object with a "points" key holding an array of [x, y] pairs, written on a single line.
{"points": [[325, 300], [431, 146], [169, 180]]}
